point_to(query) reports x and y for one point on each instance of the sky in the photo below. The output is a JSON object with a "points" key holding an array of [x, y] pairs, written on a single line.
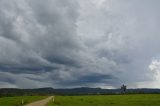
{"points": [[79, 43]]}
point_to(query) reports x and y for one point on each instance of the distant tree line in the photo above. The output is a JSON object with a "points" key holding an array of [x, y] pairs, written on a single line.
{"points": [[75, 91]]}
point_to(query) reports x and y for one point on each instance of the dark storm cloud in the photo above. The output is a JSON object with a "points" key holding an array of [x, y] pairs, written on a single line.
{"points": [[91, 79], [29, 41], [38, 36], [88, 80], [77, 43]]}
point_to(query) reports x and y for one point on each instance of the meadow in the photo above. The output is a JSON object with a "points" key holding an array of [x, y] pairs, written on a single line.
{"points": [[16, 101], [107, 100]]}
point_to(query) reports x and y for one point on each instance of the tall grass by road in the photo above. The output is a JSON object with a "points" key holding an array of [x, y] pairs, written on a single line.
{"points": [[17, 101]]}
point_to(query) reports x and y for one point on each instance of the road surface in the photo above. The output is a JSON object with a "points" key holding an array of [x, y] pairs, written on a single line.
{"points": [[41, 102]]}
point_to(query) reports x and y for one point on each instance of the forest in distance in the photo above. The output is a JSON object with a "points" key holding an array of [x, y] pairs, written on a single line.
{"points": [[74, 91]]}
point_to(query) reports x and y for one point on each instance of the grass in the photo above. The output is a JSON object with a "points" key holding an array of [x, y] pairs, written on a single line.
{"points": [[16, 101], [108, 100]]}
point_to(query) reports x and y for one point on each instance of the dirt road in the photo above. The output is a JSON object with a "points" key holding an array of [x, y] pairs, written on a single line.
{"points": [[41, 102]]}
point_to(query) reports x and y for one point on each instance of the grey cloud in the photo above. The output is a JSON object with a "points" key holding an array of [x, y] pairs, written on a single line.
{"points": [[92, 79], [70, 42], [38, 37], [19, 81], [124, 33]]}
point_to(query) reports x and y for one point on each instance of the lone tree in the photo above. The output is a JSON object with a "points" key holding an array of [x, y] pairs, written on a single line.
{"points": [[123, 88]]}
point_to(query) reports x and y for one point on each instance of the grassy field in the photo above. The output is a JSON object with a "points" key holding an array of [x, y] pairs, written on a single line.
{"points": [[16, 101], [108, 100]]}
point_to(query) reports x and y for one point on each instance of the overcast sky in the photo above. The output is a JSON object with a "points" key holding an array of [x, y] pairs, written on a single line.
{"points": [[77, 43]]}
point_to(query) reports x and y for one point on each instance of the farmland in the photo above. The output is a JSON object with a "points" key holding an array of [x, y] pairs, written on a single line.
{"points": [[16, 101], [108, 100], [90, 100]]}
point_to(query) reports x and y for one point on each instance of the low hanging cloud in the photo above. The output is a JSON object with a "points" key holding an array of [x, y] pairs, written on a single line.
{"points": [[71, 43]]}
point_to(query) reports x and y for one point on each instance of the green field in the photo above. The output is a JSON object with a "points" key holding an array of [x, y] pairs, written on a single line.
{"points": [[108, 100], [16, 101]]}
